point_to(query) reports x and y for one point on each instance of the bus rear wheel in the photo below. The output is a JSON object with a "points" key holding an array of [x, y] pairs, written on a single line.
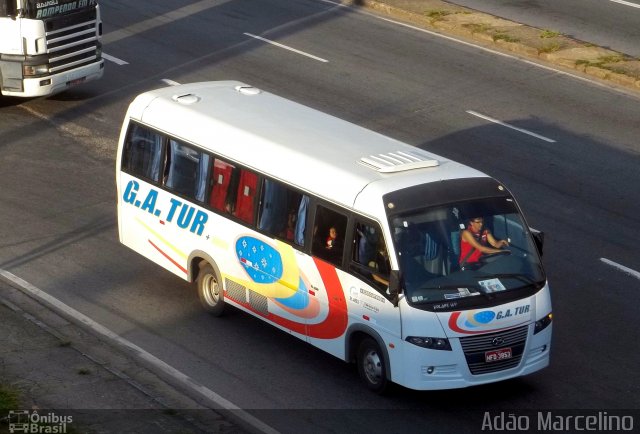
{"points": [[210, 290], [371, 366]]}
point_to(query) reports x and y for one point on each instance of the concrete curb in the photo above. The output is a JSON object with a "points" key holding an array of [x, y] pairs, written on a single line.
{"points": [[542, 46]]}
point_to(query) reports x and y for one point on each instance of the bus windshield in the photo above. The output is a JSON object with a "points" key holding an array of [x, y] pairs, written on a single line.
{"points": [[438, 264], [40, 9]]}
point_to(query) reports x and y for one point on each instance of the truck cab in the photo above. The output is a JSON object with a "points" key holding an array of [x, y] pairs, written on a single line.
{"points": [[48, 46]]}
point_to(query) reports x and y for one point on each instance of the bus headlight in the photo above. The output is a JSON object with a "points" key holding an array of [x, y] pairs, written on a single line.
{"points": [[431, 343], [542, 323], [34, 70]]}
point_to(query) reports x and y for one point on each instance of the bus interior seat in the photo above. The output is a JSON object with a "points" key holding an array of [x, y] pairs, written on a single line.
{"points": [[434, 258]]}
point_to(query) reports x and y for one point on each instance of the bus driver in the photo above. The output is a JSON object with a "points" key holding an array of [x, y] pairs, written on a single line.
{"points": [[477, 240]]}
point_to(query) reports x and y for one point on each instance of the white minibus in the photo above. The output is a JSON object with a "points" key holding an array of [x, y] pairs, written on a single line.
{"points": [[419, 269]]}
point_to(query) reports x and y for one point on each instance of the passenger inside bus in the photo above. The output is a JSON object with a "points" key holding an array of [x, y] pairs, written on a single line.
{"points": [[328, 244], [331, 239]]}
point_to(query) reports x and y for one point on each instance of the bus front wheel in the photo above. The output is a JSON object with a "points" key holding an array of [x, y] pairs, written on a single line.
{"points": [[371, 366], [210, 290]]}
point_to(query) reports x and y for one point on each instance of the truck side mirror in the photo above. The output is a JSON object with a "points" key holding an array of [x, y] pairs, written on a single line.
{"points": [[538, 238]]}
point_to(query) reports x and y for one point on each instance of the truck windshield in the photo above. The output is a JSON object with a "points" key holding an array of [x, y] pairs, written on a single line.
{"points": [[41, 9], [438, 266]]}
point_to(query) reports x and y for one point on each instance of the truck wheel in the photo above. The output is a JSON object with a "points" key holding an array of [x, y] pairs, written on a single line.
{"points": [[371, 366], [210, 290]]}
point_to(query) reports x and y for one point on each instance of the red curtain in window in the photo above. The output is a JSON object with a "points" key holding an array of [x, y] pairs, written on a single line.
{"points": [[246, 195], [221, 178]]}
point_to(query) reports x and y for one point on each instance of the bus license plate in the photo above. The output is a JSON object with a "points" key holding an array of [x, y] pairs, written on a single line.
{"points": [[497, 355], [76, 81]]}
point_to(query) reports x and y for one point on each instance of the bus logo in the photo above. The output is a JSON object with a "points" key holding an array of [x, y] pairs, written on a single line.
{"points": [[497, 341]]}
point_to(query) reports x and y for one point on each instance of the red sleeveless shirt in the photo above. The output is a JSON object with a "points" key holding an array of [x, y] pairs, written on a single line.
{"points": [[465, 247]]}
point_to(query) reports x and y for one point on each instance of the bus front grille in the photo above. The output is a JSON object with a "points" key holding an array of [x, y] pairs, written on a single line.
{"points": [[475, 348]]}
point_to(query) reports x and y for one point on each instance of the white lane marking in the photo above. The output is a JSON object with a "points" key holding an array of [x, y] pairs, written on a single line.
{"points": [[286, 47], [622, 2], [622, 268], [479, 47], [114, 59], [218, 401], [170, 82], [495, 121]]}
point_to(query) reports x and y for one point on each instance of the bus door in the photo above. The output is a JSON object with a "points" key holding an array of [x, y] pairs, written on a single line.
{"points": [[369, 269]]}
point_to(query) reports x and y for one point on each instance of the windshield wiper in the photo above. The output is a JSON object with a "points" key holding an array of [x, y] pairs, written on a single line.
{"points": [[450, 286]]}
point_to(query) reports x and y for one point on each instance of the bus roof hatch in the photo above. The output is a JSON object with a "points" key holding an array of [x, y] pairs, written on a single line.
{"points": [[399, 161]]}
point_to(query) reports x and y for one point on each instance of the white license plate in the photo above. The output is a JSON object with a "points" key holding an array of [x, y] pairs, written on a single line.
{"points": [[497, 355]]}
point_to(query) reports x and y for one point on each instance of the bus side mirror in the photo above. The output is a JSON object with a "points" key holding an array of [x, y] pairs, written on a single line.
{"points": [[394, 286], [538, 238]]}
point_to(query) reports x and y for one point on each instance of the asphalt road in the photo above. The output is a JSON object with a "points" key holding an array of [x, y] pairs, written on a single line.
{"points": [[608, 23], [57, 189]]}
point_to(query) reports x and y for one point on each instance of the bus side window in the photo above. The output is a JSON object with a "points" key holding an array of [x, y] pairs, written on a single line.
{"points": [[233, 190], [142, 154], [187, 170], [283, 212], [329, 232], [370, 258]]}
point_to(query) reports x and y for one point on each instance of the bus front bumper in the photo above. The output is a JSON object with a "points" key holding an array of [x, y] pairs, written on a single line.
{"points": [[435, 370]]}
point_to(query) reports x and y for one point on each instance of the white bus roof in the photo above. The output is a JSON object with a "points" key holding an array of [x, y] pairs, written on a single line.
{"points": [[304, 147]]}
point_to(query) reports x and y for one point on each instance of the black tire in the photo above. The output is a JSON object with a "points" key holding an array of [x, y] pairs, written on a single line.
{"points": [[210, 290], [371, 366]]}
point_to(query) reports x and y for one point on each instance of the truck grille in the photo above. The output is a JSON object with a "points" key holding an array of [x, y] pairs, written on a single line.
{"points": [[72, 41], [474, 348]]}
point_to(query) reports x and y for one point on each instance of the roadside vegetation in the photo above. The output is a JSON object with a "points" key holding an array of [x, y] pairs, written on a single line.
{"points": [[436, 14], [601, 62], [546, 34], [9, 398], [547, 44], [502, 36]]}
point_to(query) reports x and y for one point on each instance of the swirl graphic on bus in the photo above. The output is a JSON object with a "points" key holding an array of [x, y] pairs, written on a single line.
{"points": [[275, 274]]}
